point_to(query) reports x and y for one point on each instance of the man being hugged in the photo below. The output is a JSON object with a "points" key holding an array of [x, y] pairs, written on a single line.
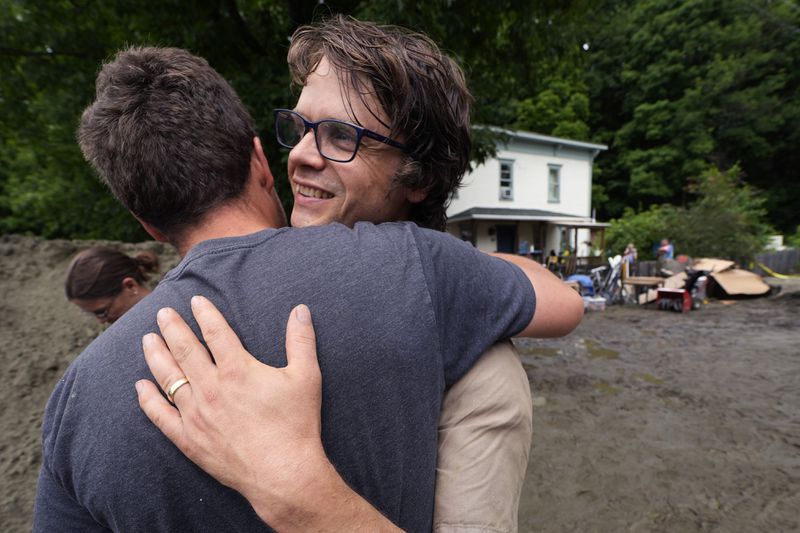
{"points": [[400, 313]]}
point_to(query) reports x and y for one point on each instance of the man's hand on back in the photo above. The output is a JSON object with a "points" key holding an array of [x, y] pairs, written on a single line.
{"points": [[253, 427]]}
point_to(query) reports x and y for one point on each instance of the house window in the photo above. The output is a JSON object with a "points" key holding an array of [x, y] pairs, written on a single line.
{"points": [[506, 180], [554, 184]]}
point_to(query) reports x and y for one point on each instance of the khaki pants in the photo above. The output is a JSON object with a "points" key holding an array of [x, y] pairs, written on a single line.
{"points": [[484, 441]]}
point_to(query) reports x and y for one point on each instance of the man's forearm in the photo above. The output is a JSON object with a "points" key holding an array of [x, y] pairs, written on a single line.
{"points": [[319, 500]]}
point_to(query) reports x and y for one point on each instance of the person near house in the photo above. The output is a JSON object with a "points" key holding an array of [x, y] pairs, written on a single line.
{"points": [[665, 250], [105, 283], [629, 259], [212, 195], [485, 426], [486, 419]]}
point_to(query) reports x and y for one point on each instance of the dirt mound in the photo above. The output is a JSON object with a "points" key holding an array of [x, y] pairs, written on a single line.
{"points": [[41, 333]]}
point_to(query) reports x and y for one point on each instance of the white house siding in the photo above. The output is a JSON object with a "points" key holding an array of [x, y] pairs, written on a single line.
{"points": [[531, 164], [531, 156]]}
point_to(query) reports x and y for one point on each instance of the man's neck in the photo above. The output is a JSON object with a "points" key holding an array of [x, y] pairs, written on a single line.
{"points": [[226, 221]]}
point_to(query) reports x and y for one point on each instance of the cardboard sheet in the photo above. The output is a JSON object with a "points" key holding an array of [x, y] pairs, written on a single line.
{"points": [[648, 296], [712, 265], [676, 282], [737, 282]]}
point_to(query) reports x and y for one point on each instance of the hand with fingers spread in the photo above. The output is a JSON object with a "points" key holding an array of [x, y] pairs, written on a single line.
{"points": [[253, 427]]}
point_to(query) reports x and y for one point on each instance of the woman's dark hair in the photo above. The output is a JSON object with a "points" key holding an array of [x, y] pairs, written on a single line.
{"points": [[98, 272]]}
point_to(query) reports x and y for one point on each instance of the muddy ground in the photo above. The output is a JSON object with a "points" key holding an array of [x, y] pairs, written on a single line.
{"points": [[645, 420]]}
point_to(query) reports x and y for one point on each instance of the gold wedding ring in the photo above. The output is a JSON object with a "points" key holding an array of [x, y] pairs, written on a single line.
{"points": [[174, 388]]}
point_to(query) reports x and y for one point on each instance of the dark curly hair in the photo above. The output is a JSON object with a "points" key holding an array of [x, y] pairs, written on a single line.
{"points": [[421, 90], [98, 272]]}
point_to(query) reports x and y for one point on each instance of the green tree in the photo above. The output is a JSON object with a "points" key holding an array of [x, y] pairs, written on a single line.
{"points": [[643, 229], [560, 109], [794, 239], [726, 218], [676, 86], [50, 53]]}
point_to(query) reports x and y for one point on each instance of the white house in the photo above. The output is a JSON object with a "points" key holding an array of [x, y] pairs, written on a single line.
{"points": [[533, 197]]}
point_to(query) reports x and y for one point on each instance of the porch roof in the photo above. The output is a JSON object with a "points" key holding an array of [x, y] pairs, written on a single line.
{"points": [[504, 213]]}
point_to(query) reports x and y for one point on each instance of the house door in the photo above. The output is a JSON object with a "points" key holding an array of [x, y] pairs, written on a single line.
{"points": [[539, 236], [507, 239]]}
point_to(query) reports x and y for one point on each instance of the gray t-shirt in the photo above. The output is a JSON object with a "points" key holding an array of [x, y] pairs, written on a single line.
{"points": [[400, 314]]}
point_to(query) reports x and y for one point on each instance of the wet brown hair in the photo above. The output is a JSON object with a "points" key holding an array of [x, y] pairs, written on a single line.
{"points": [[98, 272], [421, 90], [168, 135]]}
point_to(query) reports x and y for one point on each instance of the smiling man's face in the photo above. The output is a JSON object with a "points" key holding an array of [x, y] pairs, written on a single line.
{"points": [[361, 190]]}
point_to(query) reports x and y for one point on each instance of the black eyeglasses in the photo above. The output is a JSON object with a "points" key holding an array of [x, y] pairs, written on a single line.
{"points": [[336, 140]]}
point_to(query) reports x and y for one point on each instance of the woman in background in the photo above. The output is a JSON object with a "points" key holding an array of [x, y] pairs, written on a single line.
{"points": [[106, 283]]}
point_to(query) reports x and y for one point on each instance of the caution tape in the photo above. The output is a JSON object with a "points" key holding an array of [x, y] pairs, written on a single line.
{"points": [[774, 274]]}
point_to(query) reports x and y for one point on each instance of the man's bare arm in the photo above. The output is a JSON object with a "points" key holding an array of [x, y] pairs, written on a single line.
{"points": [[253, 427], [559, 308]]}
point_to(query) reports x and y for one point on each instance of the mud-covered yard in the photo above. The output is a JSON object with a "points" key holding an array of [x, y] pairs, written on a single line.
{"points": [[650, 420], [645, 420]]}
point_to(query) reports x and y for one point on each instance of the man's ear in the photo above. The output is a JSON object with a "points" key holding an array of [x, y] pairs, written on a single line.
{"points": [[260, 171], [259, 166], [417, 195], [130, 283], [154, 233]]}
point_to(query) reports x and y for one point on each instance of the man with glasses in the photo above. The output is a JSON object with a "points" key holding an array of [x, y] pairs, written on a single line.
{"points": [[400, 313], [399, 156], [354, 160]]}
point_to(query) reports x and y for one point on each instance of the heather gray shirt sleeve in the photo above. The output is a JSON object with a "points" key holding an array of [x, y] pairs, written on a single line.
{"points": [[478, 299], [58, 511]]}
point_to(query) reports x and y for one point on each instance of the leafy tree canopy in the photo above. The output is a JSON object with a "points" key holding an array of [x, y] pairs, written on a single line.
{"points": [[726, 218], [677, 85], [50, 53], [671, 87]]}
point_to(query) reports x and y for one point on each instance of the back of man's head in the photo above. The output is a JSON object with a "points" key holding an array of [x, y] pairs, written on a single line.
{"points": [[168, 135], [421, 90]]}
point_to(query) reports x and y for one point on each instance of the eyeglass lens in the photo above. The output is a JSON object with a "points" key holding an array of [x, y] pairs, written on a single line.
{"points": [[335, 140], [289, 127]]}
